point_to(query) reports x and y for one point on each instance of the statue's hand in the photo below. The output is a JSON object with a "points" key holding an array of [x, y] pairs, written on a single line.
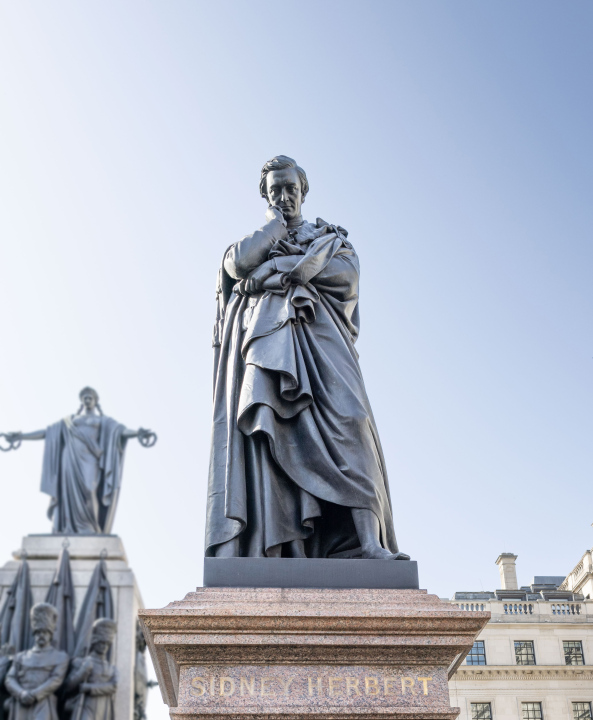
{"points": [[256, 278], [274, 213], [26, 698], [13, 439], [146, 438]]}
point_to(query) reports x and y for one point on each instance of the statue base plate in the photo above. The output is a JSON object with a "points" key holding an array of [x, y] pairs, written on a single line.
{"points": [[245, 572]]}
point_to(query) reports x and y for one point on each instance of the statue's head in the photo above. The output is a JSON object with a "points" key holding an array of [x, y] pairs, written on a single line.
{"points": [[44, 618], [102, 635], [284, 185], [89, 398]]}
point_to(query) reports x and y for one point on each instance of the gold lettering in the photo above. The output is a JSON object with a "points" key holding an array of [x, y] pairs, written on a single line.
{"points": [[312, 689], [264, 687], [197, 686], [212, 679], [425, 681], [285, 684], [408, 684], [371, 686], [231, 683], [352, 686], [333, 691], [249, 685], [388, 686]]}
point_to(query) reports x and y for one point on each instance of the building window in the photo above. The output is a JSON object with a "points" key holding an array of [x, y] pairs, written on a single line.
{"points": [[573, 652], [524, 654], [477, 655], [483, 711], [582, 711], [532, 711]]}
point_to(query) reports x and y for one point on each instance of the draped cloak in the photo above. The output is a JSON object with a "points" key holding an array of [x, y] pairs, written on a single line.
{"points": [[294, 442], [82, 469]]}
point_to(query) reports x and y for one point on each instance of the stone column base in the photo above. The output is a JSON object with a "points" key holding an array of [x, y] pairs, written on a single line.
{"points": [[236, 653], [42, 552]]}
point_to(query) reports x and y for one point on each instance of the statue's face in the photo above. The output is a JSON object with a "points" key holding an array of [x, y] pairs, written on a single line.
{"points": [[101, 647], [42, 638], [284, 192], [89, 401]]}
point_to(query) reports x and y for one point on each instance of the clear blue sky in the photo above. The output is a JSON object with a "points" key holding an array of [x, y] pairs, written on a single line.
{"points": [[452, 139]]}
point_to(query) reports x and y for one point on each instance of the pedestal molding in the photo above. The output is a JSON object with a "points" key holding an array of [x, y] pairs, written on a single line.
{"points": [[226, 633]]}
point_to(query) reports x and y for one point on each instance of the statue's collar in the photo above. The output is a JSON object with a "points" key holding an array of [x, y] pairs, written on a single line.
{"points": [[296, 223], [304, 233]]}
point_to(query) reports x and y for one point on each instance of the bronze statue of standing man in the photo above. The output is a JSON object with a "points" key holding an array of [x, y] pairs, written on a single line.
{"points": [[296, 465]]}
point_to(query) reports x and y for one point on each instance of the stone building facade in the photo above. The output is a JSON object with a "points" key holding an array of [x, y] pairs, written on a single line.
{"points": [[534, 659]]}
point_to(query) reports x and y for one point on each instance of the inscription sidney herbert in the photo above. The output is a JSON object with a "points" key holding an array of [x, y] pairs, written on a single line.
{"points": [[272, 685], [287, 684]]}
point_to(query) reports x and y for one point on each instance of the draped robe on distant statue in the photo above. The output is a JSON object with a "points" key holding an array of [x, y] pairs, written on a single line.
{"points": [[294, 443], [82, 468]]}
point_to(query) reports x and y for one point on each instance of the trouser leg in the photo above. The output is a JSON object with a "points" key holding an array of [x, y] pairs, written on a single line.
{"points": [[367, 528]]}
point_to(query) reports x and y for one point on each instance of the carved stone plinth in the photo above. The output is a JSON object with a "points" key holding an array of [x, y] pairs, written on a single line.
{"points": [[235, 653], [42, 552]]}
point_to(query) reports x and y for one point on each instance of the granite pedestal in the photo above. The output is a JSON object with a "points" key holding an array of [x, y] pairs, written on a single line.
{"points": [[42, 552], [236, 653]]}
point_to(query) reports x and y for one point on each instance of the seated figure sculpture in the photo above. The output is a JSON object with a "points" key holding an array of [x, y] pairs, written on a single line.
{"points": [[296, 466], [93, 679], [36, 674]]}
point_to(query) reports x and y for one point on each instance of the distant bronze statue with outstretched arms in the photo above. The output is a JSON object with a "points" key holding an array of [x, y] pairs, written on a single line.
{"points": [[82, 466]]}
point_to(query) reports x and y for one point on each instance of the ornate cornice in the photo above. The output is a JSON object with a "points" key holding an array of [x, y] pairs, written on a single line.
{"points": [[504, 672]]}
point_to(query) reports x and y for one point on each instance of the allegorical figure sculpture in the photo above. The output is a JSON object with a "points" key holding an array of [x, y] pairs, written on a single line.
{"points": [[36, 674], [296, 465], [93, 679], [82, 466]]}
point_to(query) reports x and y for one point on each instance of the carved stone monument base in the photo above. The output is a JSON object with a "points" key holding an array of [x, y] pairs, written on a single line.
{"points": [[42, 552], [230, 653]]}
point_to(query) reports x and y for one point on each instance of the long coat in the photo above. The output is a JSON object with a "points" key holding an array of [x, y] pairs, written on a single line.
{"points": [[42, 672], [294, 443], [82, 468], [97, 705]]}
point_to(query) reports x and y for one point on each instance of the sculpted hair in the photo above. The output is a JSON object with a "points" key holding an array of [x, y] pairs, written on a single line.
{"points": [[89, 391], [281, 162]]}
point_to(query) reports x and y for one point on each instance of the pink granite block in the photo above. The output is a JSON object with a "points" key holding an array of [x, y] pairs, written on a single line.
{"points": [[275, 653]]}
